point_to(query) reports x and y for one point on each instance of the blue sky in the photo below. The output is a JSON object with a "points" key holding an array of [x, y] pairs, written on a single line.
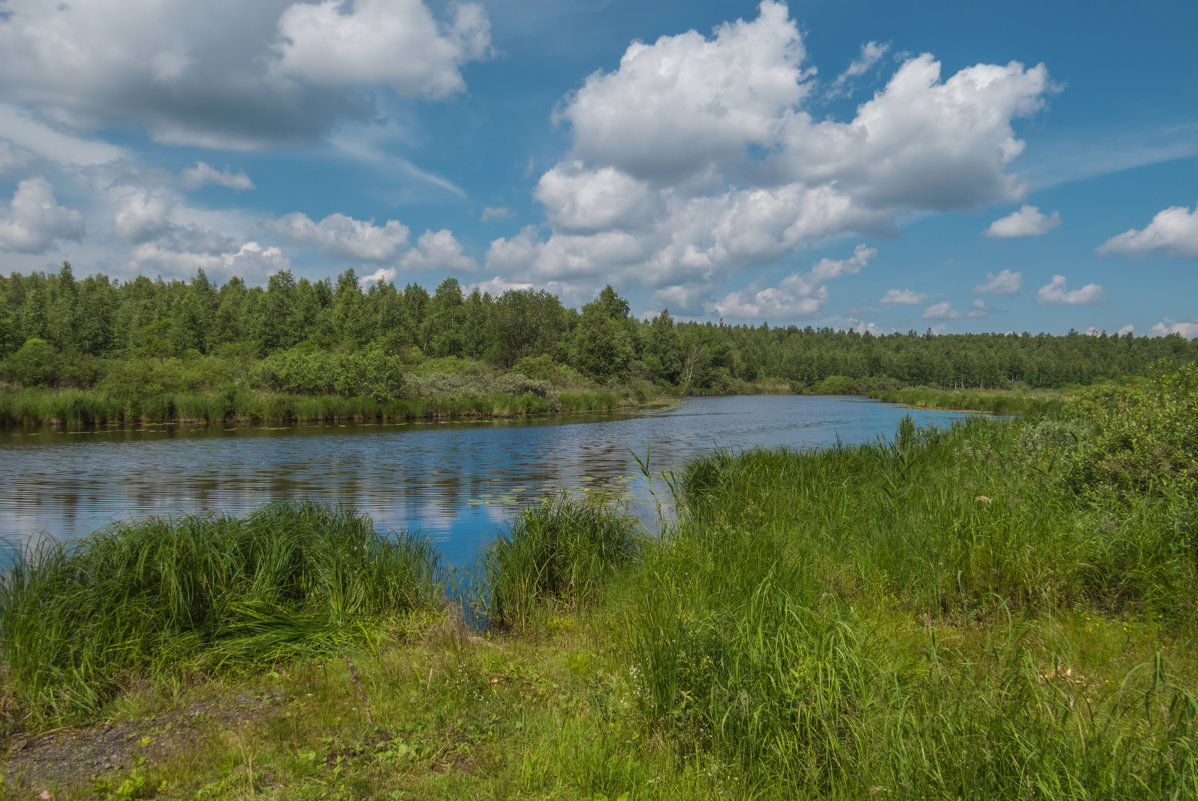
{"points": [[874, 165]]}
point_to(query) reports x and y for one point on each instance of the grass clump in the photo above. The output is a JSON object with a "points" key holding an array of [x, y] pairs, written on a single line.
{"points": [[79, 621], [559, 551]]}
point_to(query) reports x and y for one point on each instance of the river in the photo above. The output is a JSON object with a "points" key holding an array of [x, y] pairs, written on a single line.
{"points": [[459, 482]]}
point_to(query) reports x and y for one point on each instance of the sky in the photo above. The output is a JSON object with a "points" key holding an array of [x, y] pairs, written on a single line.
{"points": [[877, 166]]}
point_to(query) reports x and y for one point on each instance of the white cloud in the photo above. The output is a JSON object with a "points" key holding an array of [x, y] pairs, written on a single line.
{"points": [[142, 215], [1055, 292], [202, 173], [579, 201], [497, 214], [1188, 329], [34, 221], [396, 43], [1028, 221], [686, 101], [1173, 231], [250, 261], [1125, 330], [381, 274], [861, 326], [515, 255], [980, 309], [793, 297], [871, 53], [1005, 283], [904, 297], [224, 73], [569, 294], [941, 311], [696, 158], [437, 250], [797, 295], [826, 269], [344, 237]]}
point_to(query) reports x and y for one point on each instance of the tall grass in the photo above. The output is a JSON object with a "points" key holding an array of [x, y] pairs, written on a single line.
{"points": [[994, 401], [79, 620], [38, 407], [790, 624], [560, 551]]}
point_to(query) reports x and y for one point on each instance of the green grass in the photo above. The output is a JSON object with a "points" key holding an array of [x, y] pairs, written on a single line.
{"points": [[79, 621], [561, 551], [794, 624], [72, 407], [994, 401]]}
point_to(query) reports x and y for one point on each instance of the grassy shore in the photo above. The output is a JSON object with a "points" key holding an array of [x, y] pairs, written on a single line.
{"points": [[995, 401], [1003, 610], [71, 407]]}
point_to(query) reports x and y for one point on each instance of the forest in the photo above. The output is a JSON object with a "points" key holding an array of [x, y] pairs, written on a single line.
{"points": [[296, 339]]}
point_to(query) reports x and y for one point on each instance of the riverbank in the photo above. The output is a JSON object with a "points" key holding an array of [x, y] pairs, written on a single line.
{"points": [[993, 401], [1001, 610]]}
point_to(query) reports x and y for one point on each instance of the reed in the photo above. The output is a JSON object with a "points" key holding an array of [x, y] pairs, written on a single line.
{"points": [[560, 552], [80, 621]]}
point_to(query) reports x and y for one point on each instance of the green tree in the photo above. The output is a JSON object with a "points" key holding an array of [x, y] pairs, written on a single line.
{"points": [[603, 340]]}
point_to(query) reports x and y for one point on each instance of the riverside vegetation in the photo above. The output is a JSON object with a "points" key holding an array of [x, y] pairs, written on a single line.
{"points": [[1005, 609], [96, 351]]}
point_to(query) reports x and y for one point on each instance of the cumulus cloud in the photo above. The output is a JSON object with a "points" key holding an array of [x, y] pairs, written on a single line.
{"points": [[904, 297], [228, 74], [1187, 328], [396, 43], [195, 177], [697, 158], [34, 222], [1028, 221], [980, 309], [386, 274], [578, 200], [250, 261], [142, 215], [1055, 292], [380, 42], [687, 101], [497, 214], [826, 268], [1173, 231], [344, 237], [941, 311], [1005, 283], [797, 295], [437, 250], [569, 294]]}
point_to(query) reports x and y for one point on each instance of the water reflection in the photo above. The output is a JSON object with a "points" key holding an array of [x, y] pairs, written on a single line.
{"points": [[459, 482]]}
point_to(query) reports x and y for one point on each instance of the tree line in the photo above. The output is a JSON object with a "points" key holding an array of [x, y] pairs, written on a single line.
{"points": [[59, 331]]}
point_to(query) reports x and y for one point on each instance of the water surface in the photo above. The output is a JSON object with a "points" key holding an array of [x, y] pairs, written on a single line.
{"points": [[458, 482]]}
